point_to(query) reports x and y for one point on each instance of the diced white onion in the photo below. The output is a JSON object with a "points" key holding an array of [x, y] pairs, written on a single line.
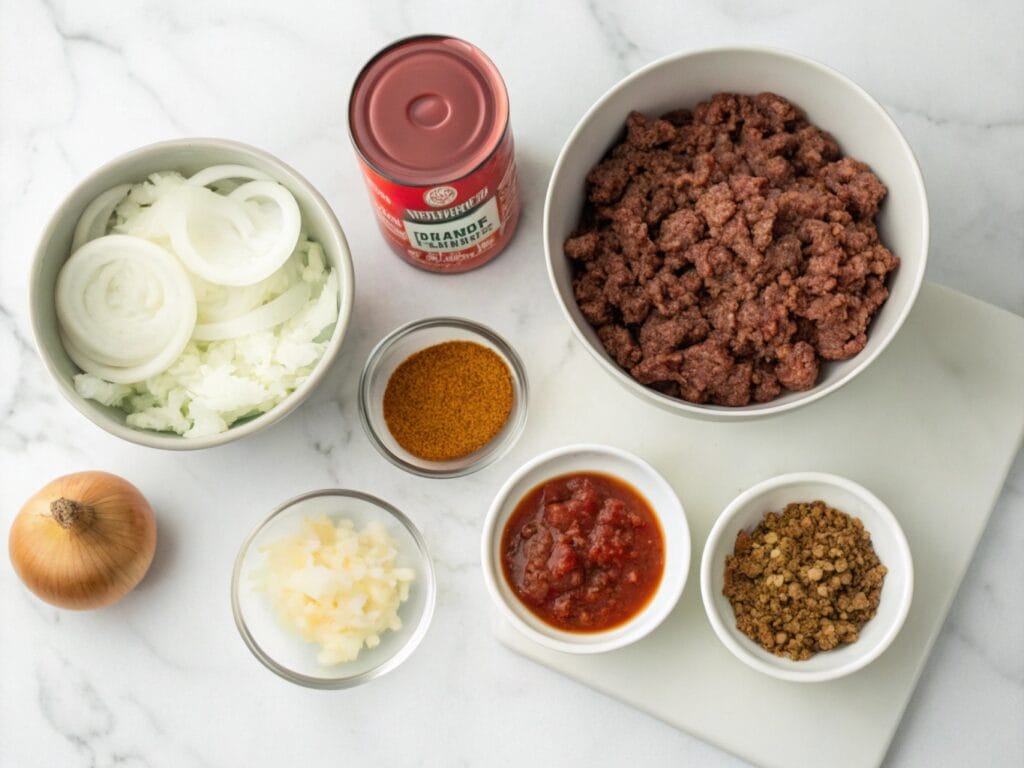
{"points": [[96, 216], [273, 313], [336, 586]]}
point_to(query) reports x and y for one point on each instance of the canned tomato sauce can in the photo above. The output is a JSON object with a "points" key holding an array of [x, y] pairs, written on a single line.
{"points": [[429, 119]]}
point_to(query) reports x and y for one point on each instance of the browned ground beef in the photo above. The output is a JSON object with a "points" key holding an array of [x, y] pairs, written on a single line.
{"points": [[724, 253]]}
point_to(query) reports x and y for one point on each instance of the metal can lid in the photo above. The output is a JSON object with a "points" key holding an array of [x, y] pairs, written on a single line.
{"points": [[429, 109]]}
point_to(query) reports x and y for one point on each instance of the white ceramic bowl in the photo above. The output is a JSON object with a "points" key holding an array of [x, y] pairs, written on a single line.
{"points": [[187, 156], [286, 654], [772, 495], [651, 485], [832, 102]]}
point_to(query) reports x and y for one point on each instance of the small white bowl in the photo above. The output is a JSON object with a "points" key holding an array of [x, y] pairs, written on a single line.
{"points": [[663, 501], [832, 102], [772, 495]]}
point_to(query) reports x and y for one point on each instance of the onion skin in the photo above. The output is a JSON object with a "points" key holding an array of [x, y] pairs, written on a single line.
{"points": [[97, 553]]}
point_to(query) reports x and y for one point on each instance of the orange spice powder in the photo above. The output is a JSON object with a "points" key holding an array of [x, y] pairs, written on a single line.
{"points": [[448, 400]]}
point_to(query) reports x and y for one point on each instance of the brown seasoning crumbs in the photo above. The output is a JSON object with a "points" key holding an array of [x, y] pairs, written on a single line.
{"points": [[448, 400], [804, 581]]}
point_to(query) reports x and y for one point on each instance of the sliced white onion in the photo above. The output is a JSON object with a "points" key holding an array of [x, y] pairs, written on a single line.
{"points": [[216, 173], [120, 298], [217, 237], [209, 233], [263, 318], [124, 303], [278, 240], [221, 302], [113, 373], [216, 303], [96, 216]]}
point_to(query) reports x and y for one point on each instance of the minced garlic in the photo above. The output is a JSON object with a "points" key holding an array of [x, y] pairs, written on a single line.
{"points": [[336, 586]]}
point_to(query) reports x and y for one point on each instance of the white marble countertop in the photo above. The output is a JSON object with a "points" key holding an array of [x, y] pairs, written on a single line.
{"points": [[162, 678]]}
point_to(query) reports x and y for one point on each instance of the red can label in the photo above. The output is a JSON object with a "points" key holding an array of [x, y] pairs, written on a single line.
{"points": [[455, 225]]}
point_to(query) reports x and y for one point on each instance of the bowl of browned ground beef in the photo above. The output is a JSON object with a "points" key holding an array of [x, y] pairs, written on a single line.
{"points": [[736, 232]]}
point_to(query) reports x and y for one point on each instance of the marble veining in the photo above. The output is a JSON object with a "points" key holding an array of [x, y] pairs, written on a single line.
{"points": [[162, 678]]}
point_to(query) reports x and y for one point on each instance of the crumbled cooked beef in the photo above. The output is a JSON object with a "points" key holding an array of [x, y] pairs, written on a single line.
{"points": [[724, 253], [620, 344], [660, 334]]}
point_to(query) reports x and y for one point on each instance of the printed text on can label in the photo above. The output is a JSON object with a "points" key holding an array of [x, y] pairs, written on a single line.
{"points": [[455, 234]]}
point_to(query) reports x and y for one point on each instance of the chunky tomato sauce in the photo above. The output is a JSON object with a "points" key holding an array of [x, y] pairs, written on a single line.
{"points": [[584, 552]]}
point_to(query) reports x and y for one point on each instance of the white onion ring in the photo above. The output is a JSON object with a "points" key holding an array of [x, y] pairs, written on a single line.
{"points": [[255, 254], [120, 299], [264, 317], [124, 304], [116, 374], [199, 208], [282, 245], [94, 219], [215, 173]]}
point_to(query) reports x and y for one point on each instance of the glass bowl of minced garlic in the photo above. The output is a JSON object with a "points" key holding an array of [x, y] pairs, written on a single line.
{"points": [[333, 589]]}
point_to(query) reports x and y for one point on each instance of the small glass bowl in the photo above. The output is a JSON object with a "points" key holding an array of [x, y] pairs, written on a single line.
{"points": [[281, 649], [396, 348]]}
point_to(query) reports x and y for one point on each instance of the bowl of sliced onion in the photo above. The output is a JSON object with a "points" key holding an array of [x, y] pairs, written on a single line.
{"points": [[191, 292]]}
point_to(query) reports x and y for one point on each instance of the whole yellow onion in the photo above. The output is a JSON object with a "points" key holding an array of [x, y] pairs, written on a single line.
{"points": [[84, 540]]}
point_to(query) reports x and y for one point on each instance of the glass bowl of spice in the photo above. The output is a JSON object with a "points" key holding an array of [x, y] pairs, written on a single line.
{"points": [[443, 397], [333, 589]]}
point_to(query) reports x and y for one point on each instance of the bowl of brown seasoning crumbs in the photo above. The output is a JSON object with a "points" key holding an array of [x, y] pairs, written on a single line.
{"points": [[807, 577], [443, 397]]}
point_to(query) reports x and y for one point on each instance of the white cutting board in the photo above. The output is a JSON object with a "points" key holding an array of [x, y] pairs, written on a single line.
{"points": [[931, 427]]}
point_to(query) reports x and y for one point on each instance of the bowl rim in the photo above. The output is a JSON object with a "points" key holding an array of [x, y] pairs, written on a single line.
{"points": [[641, 624], [789, 670], [164, 441], [388, 664], [517, 417], [738, 413]]}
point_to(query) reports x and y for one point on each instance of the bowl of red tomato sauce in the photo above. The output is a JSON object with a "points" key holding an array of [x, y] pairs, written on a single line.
{"points": [[586, 549]]}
